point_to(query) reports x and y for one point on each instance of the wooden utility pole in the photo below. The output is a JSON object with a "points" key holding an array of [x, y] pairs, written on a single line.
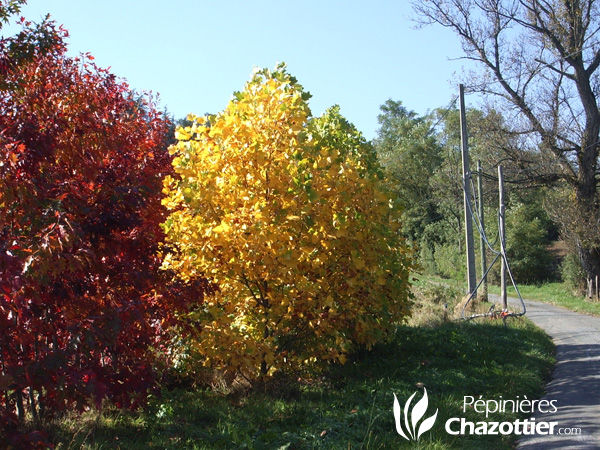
{"points": [[471, 275], [482, 243], [502, 233]]}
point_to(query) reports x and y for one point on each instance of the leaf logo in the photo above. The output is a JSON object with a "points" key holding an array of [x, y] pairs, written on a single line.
{"points": [[416, 415]]}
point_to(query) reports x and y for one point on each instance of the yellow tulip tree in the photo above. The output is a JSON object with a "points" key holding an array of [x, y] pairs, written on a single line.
{"points": [[289, 217]]}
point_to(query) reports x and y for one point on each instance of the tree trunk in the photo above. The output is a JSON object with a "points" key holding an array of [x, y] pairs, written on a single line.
{"points": [[590, 261], [587, 163]]}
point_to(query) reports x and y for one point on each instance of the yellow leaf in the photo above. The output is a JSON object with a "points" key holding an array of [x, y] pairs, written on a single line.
{"points": [[223, 228], [182, 134], [268, 205]]}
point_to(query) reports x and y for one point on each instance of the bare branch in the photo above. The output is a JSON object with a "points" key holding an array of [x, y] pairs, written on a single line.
{"points": [[594, 64], [544, 57]]}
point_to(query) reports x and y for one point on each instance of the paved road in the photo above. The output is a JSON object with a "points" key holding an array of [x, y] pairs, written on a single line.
{"points": [[575, 383]]}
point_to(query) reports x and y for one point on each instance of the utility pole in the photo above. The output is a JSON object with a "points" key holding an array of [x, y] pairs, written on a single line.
{"points": [[471, 275], [502, 233], [482, 242]]}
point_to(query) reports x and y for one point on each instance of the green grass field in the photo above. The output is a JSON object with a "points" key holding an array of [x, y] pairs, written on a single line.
{"points": [[554, 293], [349, 407]]}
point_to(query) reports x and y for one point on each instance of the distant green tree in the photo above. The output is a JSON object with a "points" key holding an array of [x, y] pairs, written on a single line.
{"points": [[424, 162], [527, 243], [539, 62], [408, 150]]}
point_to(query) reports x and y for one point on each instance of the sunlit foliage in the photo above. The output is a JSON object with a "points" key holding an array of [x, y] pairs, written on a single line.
{"points": [[289, 216], [83, 303]]}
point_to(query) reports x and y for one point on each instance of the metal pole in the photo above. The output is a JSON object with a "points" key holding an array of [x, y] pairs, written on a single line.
{"points": [[484, 293], [471, 274], [502, 232]]}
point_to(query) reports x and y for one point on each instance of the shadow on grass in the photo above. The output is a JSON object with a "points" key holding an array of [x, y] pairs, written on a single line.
{"points": [[351, 406]]}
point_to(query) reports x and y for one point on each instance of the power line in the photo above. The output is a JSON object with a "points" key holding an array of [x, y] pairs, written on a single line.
{"points": [[500, 254], [446, 110]]}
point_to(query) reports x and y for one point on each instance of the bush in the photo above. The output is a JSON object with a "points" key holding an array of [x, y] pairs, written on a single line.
{"points": [[572, 274], [82, 296], [450, 262], [527, 245], [290, 218]]}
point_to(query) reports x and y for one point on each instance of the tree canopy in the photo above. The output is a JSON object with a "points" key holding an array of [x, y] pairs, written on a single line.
{"points": [[407, 148], [539, 64], [289, 216]]}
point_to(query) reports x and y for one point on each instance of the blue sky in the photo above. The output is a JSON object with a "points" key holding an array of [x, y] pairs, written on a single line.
{"points": [[195, 54]]}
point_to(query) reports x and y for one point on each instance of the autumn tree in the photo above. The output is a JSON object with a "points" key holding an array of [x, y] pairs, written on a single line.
{"points": [[83, 305], [539, 64], [289, 216]]}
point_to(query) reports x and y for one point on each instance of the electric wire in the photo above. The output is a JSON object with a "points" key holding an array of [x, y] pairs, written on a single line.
{"points": [[469, 192], [445, 113], [477, 219]]}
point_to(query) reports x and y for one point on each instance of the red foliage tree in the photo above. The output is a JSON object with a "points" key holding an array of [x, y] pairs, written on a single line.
{"points": [[83, 303]]}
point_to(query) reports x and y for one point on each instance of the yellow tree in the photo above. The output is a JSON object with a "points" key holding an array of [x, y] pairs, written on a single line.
{"points": [[289, 216]]}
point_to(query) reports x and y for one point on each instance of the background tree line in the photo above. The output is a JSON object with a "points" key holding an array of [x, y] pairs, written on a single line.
{"points": [[537, 65], [423, 158], [536, 68]]}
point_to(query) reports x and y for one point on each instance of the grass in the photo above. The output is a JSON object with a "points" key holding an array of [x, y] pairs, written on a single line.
{"points": [[552, 292], [556, 294], [349, 407]]}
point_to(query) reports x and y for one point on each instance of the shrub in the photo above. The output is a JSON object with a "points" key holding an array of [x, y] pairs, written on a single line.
{"points": [[573, 274], [527, 245], [289, 216], [82, 296]]}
